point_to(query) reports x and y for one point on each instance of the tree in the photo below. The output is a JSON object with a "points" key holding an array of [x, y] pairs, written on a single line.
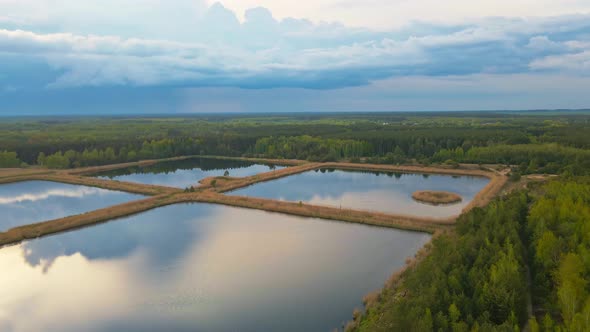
{"points": [[572, 286], [57, 160], [9, 159], [502, 291], [41, 159]]}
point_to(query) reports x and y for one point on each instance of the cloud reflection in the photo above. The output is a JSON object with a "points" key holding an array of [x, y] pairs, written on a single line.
{"points": [[252, 269], [374, 191], [72, 193]]}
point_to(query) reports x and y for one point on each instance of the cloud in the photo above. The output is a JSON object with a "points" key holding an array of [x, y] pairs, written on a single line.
{"points": [[578, 63], [388, 14], [215, 49]]}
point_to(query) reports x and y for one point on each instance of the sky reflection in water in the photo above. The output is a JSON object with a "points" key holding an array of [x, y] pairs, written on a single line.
{"points": [[186, 173], [30, 202], [198, 267], [374, 191]]}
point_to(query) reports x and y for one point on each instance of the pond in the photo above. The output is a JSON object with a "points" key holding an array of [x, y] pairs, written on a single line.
{"points": [[187, 172], [374, 191], [29, 202], [199, 267]]}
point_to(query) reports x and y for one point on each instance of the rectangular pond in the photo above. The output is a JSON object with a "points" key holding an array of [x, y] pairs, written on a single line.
{"points": [[373, 191], [199, 267], [186, 173], [29, 202]]}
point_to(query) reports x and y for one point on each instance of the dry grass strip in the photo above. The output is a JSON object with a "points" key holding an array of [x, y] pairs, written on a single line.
{"points": [[18, 234], [17, 172], [228, 184], [208, 193], [323, 212], [137, 188]]}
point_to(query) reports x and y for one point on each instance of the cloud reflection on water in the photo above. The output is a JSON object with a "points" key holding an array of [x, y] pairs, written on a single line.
{"points": [[199, 267]]}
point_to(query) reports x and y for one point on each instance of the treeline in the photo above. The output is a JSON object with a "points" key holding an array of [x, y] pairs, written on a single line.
{"points": [[205, 164], [157, 149], [311, 148], [534, 143], [530, 158], [475, 279]]}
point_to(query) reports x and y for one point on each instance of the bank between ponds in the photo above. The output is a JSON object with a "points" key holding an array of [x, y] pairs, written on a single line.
{"points": [[33, 231], [212, 192]]}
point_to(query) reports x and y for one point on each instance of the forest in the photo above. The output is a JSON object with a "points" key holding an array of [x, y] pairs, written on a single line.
{"points": [[532, 142], [475, 278]]}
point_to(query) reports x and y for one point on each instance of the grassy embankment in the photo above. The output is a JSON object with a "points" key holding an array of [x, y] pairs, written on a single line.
{"points": [[210, 193]]}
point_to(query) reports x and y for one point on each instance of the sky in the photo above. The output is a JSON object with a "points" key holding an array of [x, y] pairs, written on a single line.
{"points": [[199, 56]]}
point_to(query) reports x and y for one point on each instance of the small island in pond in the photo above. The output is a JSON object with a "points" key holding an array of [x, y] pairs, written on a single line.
{"points": [[436, 197]]}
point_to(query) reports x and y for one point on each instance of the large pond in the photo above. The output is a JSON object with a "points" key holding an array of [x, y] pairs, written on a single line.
{"points": [[198, 267], [30, 202], [375, 191], [186, 173]]}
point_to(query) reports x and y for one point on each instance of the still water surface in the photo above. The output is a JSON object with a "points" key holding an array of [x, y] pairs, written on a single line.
{"points": [[374, 191], [30, 202], [186, 173], [199, 267]]}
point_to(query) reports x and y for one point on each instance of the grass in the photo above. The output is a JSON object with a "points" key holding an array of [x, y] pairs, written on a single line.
{"points": [[436, 197]]}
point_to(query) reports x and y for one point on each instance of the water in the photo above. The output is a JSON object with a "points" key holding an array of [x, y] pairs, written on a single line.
{"points": [[199, 267], [186, 173], [30, 202], [374, 191]]}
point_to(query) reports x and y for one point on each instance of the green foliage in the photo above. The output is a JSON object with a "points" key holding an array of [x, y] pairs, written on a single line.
{"points": [[57, 160], [537, 143], [311, 148], [559, 228], [472, 279], [9, 159], [539, 158]]}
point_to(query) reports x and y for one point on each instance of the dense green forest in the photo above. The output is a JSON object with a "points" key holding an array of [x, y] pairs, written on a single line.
{"points": [[475, 278], [541, 142], [559, 232]]}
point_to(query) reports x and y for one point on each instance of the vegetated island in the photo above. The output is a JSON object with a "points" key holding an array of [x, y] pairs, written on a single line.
{"points": [[436, 197]]}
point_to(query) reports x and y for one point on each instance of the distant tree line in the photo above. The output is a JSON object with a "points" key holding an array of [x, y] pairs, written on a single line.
{"points": [[546, 144]]}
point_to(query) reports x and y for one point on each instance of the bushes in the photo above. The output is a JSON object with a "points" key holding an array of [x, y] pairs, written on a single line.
{"points": [[9, 159]]}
